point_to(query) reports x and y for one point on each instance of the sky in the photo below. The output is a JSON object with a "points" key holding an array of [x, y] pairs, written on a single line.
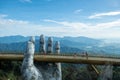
{"points": [[90, 18]]}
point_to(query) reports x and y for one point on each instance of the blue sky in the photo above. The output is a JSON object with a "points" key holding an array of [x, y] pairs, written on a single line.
{"points": [[91, 18]]}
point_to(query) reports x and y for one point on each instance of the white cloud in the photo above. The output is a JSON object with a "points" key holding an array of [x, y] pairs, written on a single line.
{"points": [[111, 24], [29, 1], [70, 24], [12, 22], [62, 28], [99, 30], [77, 11], [20, 27], [99, 15]]}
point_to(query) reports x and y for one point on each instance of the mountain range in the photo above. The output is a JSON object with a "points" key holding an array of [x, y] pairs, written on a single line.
{"points": [[68, 45]]}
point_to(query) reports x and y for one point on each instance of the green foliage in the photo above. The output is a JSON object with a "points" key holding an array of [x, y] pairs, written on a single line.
{"points": [[10, 70], [116, 73], [75, 72]]}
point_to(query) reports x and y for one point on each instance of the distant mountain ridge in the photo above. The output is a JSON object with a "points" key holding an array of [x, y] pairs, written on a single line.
{"points": [[13, 39], [21, 47], [19, 38], [68, 44]]}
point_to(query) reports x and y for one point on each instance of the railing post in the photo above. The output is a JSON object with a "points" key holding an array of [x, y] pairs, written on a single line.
{"points": [[42, 44], [50, 45]]}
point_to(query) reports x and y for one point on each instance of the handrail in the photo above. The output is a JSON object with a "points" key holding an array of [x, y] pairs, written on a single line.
{"points": [[64, 58]]}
